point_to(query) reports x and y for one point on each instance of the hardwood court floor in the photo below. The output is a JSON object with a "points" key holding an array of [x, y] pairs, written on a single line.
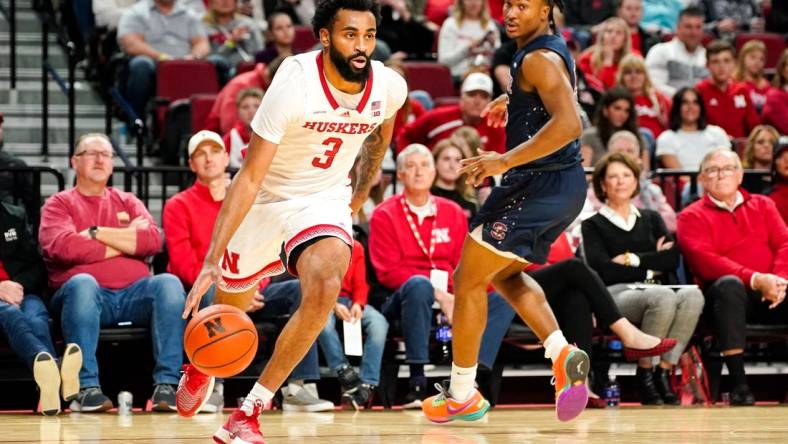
{"points": [[612, 426]]}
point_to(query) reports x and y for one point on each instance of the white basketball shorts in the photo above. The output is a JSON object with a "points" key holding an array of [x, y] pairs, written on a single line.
{"points": [[255, 249]]}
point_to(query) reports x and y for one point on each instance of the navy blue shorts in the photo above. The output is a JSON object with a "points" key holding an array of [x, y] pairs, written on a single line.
{"points": [[530, 209]]}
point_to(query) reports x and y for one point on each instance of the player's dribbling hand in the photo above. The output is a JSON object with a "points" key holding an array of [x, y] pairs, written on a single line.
{"points": [[486, 164], [496, 112], [209, 275]]}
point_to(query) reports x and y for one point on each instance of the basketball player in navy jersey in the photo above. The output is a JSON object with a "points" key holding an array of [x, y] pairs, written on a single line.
{"points": [[542, 191]]}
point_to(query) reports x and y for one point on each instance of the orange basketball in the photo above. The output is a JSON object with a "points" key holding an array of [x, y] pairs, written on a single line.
{"points": [[220, 341]]}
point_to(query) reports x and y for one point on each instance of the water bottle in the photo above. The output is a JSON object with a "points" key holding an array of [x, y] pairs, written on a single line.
{"points": [[443, 336], [615, 348], [612, 392]]}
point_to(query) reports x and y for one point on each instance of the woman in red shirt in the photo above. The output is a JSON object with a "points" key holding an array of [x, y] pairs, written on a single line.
{"points": [[651, 106], [602, 58]]}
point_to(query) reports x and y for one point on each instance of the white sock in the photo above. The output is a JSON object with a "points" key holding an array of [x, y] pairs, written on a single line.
{"points": [[258, 392], [462, 380], [554, 344]]}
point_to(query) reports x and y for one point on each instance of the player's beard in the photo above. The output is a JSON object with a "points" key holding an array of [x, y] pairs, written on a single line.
{"points": [[346, 69]]}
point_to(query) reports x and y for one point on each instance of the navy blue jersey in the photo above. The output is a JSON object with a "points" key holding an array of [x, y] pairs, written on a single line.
{"points": [[527, 114]]}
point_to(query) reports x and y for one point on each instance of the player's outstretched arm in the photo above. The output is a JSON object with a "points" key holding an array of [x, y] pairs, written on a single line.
{"points": [[237, 203], [372, 152], [546, 73]]}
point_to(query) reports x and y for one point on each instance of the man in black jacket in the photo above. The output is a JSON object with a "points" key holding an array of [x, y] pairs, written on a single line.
{"points": [[24, 319]]}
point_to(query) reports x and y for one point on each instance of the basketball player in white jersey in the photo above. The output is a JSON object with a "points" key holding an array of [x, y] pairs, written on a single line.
{"points": [[293, 193]]}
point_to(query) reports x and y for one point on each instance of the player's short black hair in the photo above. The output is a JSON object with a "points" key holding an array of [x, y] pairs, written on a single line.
{"points": [[326, 11]]}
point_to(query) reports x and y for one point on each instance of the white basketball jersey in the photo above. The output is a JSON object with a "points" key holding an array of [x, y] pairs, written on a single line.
{"points": [[318, 139]]}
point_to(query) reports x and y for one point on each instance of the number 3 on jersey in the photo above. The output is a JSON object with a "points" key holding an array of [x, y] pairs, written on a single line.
{"points": [[335, 143]]}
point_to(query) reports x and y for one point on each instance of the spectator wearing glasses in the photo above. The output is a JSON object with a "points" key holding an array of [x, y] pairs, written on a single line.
{"points": [[736, 245], [95, 241]]}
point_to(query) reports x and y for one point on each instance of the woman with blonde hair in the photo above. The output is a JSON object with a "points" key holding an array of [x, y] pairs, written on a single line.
{"points": [[601, 60], [758, 156], [652, 107], [749, 70], [448, 182], [468, 37]]}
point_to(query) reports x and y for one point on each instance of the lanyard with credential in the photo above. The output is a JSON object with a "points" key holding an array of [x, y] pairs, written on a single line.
{"points": [[416, 233]]}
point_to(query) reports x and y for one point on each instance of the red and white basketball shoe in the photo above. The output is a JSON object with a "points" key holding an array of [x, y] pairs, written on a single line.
{"points": [[241, 429], [194, 389]]}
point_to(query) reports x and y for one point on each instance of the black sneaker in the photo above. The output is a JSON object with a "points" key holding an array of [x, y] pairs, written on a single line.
{"points": [[359, 397], [417, 394], [348, 378], [741, 395], [91, 400], [163, 398]]}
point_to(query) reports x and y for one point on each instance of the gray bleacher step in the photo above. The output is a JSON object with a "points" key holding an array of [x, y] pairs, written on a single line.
{"points": [[34, 73], [61, 110], [26, 19], [26, 38], [30, 56], [30, 93]]}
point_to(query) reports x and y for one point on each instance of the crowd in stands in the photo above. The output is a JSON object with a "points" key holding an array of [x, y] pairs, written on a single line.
{"points": [[676, 84]]}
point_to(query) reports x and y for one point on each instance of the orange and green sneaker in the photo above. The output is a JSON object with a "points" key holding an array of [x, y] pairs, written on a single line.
{"points": [[443, 408], [570, 371]]}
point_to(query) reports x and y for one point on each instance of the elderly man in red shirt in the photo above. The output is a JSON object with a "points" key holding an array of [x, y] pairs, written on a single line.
{"points": [[727, 101], [737, 246], [95, 240], [415, 240], [439, 123]]}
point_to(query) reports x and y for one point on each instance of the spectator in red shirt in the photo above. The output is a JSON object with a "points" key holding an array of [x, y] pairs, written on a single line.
{"points": [[737, 247], [779, 192], [95, 240], [411, 110], [632, 12], [439, 123], [224, 112], [24, 319], [415, 241], [602, 58], [238, 137], [776, 107], [727, 101], [651, 106], [352, 307], [749, 70]]}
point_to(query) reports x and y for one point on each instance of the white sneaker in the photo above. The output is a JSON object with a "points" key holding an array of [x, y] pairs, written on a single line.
{"points": [[47, 376], [304, 400]]}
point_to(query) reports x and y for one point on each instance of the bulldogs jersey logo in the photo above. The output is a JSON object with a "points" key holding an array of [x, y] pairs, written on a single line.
{"points": [[498, 230]]}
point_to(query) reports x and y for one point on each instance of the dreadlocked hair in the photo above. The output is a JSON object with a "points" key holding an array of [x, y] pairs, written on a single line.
{"points": [[550, 19]]}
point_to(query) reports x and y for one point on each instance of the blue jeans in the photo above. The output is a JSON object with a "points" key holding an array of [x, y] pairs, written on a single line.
{"points": [[412, 304], [283, 298], [156, 302], [27, 328], [376, 327], [141, 83]]}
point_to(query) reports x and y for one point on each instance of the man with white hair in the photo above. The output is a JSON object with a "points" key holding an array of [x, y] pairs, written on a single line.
{"points": [[736, 244], [415, 242]]}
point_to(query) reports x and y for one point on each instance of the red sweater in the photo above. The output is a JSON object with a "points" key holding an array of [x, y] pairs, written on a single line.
{"points": [[776, 109], [439, 123], [224, 112], [730, 109], [394, 251], [606, 74], [717, 242], [66, 252], [355, 283], [780, 197], [188, 220], [648, 117], [560, 250]]}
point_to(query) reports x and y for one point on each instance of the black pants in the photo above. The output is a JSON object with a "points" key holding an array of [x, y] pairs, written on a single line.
{"points": [[574, 292], [730, 304]]}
